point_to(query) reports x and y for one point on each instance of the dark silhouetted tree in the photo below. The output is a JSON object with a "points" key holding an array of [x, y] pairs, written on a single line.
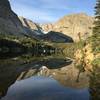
{"points": [[96, 29], [95, 75]]}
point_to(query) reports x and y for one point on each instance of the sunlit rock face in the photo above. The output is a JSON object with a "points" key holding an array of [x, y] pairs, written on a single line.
{"points": [[30, 26], [9, 22], [47, 27], [28, 23], [72, 24], [35, 30]]}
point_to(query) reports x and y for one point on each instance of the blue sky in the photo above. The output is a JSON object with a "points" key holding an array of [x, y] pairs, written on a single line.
{"points": [[44, 11]]}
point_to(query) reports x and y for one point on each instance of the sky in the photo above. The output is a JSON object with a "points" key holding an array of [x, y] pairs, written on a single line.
{"points": [[45, 11]]}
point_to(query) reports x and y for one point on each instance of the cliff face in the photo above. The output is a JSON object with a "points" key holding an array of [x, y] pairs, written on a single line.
{"points": [[30, 26], [35, 30], [28, 23], [71, 25], [9, 22]]}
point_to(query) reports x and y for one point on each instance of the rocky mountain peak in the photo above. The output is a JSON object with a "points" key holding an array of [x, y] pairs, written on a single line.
{"points": [[30, 26], [73, 24], [9, 22], [29, 23]]}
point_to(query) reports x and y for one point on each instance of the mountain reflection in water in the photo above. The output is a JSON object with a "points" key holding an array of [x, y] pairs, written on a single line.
{"points": [[58, 68], [53, 77], [44, 88]]}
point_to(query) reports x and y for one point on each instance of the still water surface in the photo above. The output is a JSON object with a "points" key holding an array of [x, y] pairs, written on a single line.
{"points": [[52, 77], [44, 88]]}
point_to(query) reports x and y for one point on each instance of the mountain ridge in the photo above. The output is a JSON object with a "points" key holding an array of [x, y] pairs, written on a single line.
{"points": [[71, 25]]}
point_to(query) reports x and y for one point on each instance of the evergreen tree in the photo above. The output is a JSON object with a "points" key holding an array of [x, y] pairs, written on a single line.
{"points": [[96, 29], [95, 75]]}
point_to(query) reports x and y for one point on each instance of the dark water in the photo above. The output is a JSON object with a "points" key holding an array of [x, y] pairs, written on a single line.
{"points": [[44, 76], [40, 79], [44, 88]]}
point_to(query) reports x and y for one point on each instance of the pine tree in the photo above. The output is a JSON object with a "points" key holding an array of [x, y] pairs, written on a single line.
{"points": [[95, 75], [96, 29]]}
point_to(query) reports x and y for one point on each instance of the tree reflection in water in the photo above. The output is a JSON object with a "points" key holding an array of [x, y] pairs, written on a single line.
{"points": [[13, 69], [95, 83]]}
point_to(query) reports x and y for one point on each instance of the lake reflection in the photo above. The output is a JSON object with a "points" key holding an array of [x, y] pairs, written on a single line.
{"points": [[50, 77], [16, 84], [43, 72], [43, 88]]}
